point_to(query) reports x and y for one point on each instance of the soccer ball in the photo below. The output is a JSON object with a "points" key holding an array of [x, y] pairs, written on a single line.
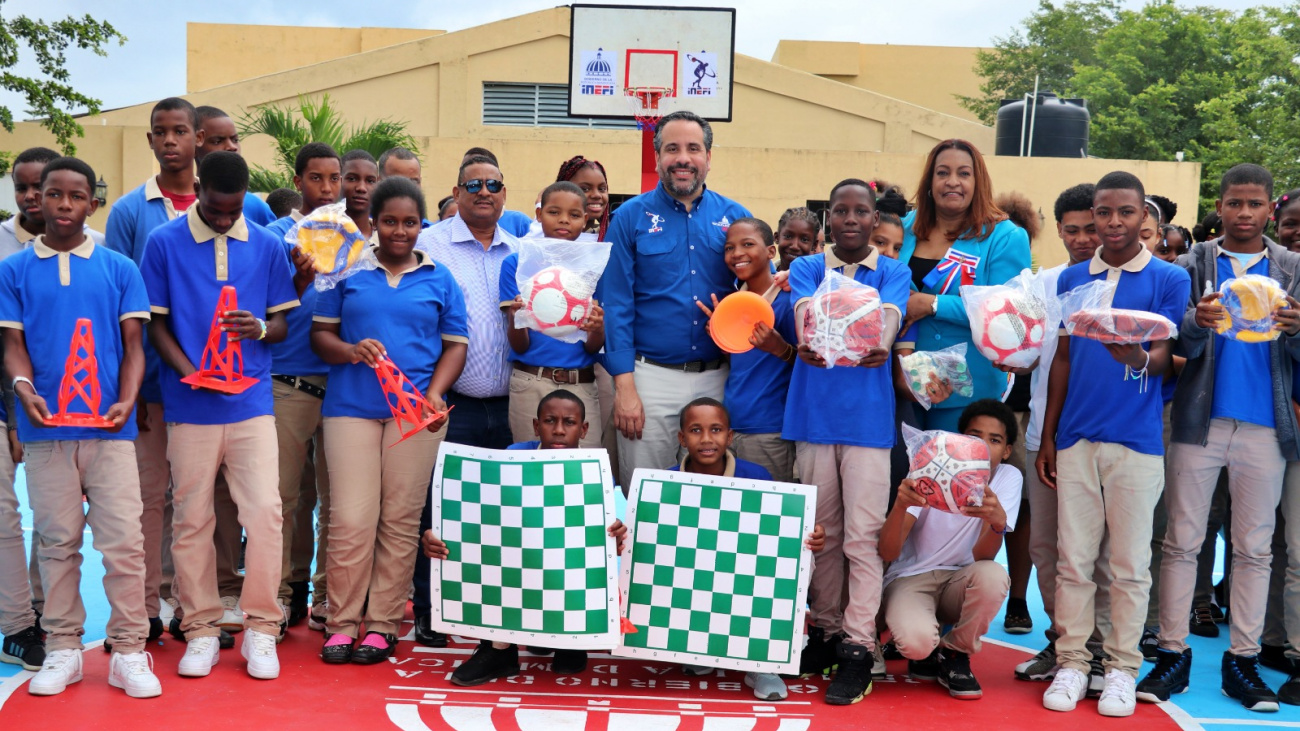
{"points": [[951, 470], [1011, 329], [1120, 327], [846, 323], [558, 300]]}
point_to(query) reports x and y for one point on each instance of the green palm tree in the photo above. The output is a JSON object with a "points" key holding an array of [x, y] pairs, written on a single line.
{"points": [[314, 122]]}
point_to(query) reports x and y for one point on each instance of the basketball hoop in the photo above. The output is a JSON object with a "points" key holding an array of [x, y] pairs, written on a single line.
{"points": [[643, 101]]}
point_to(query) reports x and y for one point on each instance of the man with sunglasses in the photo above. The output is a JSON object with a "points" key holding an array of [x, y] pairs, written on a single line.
{"points": [[472, 246]]}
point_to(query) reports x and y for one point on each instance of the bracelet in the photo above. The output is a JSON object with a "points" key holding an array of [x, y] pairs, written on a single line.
{"points": [[1002, 532], [22, 379], [261, 322], [790, 353]]}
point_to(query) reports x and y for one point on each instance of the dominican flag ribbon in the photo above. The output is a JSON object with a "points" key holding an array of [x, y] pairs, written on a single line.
{"points": [[947, 271]]}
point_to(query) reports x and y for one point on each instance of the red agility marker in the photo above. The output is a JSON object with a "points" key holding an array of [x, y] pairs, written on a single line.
{"points": [[406, 405], [81, 359], [222, 366]]}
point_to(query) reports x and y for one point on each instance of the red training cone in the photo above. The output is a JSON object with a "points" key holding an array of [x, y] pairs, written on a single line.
{"points": [[222, 366], [81, 358], [406, 405]]}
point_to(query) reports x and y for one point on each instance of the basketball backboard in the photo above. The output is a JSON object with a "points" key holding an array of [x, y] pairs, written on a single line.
{"points": [[686, 52]]}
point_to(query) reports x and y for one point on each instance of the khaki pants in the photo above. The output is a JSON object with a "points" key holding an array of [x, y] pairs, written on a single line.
{"points": [[155, 481], [245, 452], [528, 390], [916, 607], [379, 491], [297, 426], [1291, 590], [1255, 471], [1043, 532], [16, 612], [1105, 491], [767, 450], [59, 473], [663, 393], [852, 499], [609, 434]]}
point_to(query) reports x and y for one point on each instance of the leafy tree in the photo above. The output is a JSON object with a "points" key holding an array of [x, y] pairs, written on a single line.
{"points": [[49, 96], [314, 122]]}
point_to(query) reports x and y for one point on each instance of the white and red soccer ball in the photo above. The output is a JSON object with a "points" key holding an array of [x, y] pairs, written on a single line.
{"points": [[847, 322], [1011, 329], [951, 471], [558, 300]]}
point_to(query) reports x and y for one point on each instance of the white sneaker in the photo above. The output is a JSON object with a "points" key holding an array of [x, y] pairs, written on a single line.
{"points": [[319, 615], [60, 669], [167, 611], [259, 650], [878, 671], [201, 654], [767, 686], [134, 674], [1120, 696], [1066, 690], [232, 617]]}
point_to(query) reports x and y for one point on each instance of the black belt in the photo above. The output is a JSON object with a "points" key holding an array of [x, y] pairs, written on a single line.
{"points": [[301, 384], [695, 366]]}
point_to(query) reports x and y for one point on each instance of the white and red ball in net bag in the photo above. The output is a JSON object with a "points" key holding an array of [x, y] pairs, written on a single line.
{"points": [[1011, 325], [847, 322], [558, 300], [950, 471]]}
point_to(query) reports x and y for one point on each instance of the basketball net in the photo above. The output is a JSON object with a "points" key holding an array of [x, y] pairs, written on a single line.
{"points": [[643, 101]]}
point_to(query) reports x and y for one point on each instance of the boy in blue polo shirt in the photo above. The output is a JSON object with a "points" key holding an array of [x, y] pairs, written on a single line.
{"points": [[187, 263], [1102, 450], [217, 133], [1231, 409], [44, 291], [541, 363], [846, 458], [299, 387]]}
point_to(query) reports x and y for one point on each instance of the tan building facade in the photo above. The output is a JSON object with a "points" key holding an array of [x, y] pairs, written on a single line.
{"points": [[818, 113]]}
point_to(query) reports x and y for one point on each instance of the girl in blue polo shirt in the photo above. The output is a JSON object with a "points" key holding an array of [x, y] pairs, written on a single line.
{"points": [[542, 363], [409, 310]]}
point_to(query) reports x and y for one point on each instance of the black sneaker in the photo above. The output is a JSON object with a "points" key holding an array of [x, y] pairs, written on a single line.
{"points": [[297, 603], [955, 675], [1172, 673], [1274, 657], [1149, 645], [1016, 621], [486, 664], [1289, 693], [1202, 623], [821, 652], [1096, 670], [427, 637], [1241, 681], [926, 669], [569, 662], [1041, 667], [1220, 615], [24, 648], [852, 681], [890, 651]]}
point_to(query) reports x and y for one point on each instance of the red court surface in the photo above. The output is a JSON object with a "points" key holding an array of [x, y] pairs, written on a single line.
{"points": [[412, 692]]}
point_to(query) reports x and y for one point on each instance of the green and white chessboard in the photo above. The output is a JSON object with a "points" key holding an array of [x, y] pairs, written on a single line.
{"points": [[529, 560], [718, 573]]}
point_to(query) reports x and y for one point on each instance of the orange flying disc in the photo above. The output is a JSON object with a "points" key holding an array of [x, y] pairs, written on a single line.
{"points": [[734, 319]]}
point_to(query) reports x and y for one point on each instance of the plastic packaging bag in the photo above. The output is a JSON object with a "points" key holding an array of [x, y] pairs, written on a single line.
{"points": [[331, 236], [844, 321], [948, 364], [1010, 322], [950, 470], [1249, 302], [556, 280], [1088, 314]]}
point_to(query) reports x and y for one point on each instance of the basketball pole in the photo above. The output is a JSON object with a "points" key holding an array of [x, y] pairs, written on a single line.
{"points": [[649, 175]]}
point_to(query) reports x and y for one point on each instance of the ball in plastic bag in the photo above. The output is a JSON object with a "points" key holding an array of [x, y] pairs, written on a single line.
{"points": [[848, 322], [1120, 327], [1248, 304], [951, 471], [1011, 325], [557, 300]]}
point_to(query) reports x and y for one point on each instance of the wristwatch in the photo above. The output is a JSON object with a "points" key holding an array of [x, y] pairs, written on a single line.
{"points": [[934, 305]]}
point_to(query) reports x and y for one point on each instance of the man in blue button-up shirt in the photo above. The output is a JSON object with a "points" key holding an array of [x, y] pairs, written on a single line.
{"points": [[667, 256]]}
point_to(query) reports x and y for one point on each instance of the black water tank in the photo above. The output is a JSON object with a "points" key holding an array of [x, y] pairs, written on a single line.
{"points": [[1060, 127]]}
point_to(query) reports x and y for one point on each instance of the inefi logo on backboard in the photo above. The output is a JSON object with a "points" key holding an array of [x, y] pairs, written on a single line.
{"points": [[598, 73], [655, 220], [700, 74]]}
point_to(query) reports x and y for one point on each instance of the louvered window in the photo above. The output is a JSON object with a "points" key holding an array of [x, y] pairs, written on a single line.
{"points": [[538, 105]]}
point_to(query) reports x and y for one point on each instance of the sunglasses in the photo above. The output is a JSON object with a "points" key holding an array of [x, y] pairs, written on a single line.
{"points": [[474, 186]]}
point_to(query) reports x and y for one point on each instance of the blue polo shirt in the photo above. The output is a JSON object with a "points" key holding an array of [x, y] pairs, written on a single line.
{"points": [[535, 444], [736, 467], [664, 260], [410, 312], [256, 210], [186, 264], [1100, 405], [845, 405], [43, 293], [758, 381], [543, 351], [1243, 376], [293, 356]]}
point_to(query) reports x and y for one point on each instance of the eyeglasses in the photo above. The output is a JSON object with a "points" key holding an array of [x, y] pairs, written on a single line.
{"points": [[474, 186]]}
